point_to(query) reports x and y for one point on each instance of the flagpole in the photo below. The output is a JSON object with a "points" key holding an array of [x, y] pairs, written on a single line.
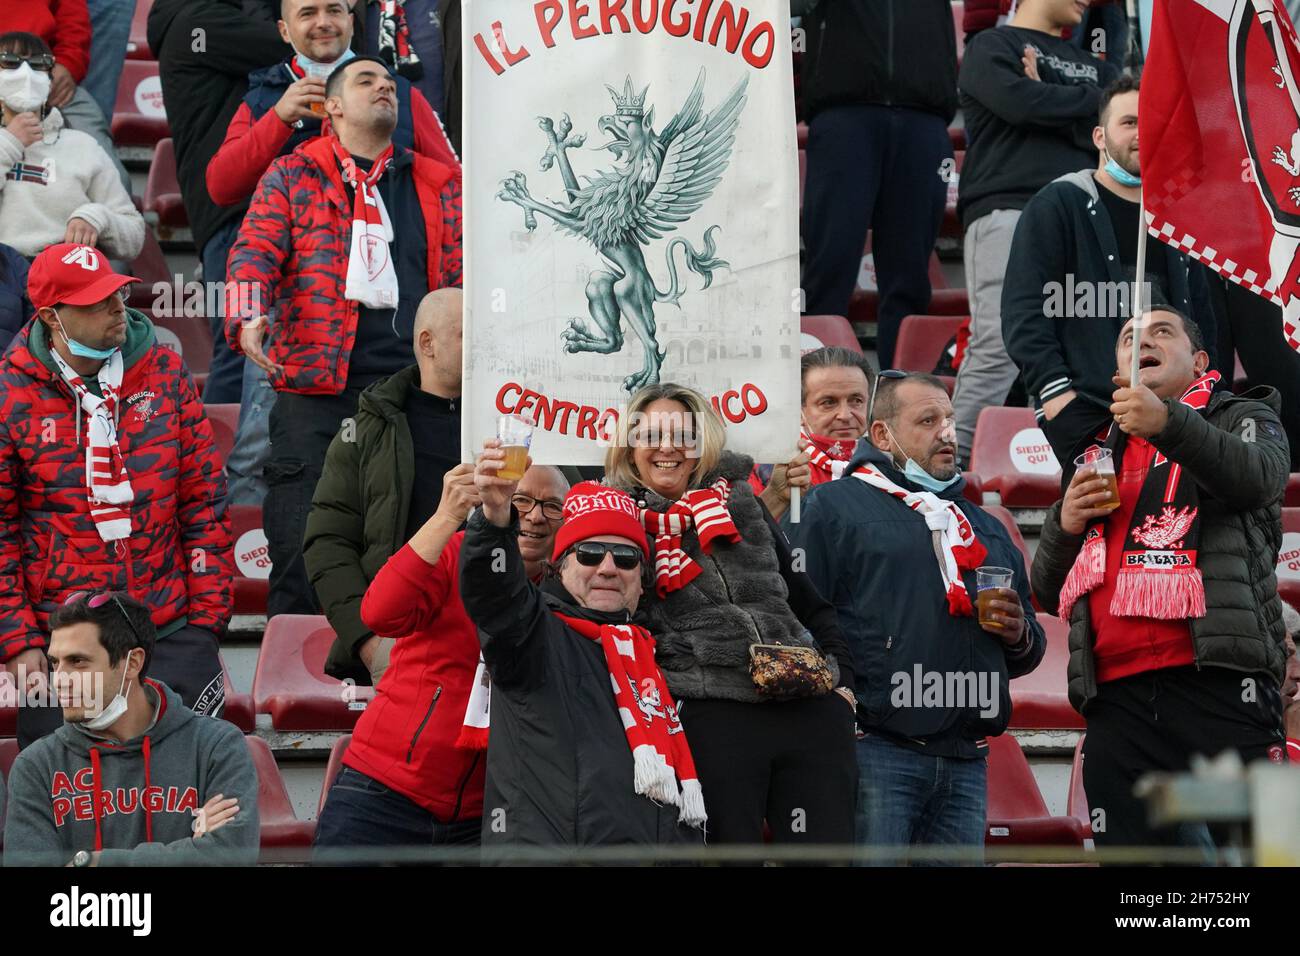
{"points": [[1137, 292]]}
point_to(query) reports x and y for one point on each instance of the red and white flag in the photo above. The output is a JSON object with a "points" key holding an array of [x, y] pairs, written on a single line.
{"points": [[1219, 128]]}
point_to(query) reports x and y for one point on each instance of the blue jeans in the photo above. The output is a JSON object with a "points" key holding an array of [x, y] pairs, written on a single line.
{"points": [[110, 28], [252, 439], [906, 797], [361, 811], [226, 375]]}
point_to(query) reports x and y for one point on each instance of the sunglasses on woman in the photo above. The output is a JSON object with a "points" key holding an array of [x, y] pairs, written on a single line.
{"points": [[41, 62], [591, 553], [96, 601]]}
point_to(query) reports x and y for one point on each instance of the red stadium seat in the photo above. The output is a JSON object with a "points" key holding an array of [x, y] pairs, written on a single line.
{"points": [[974, 488], [8, 751], [139, 117], [1292, 498], [958, 14], [189, 336], [1009, 522], [957, 134], [225, 422], [252, 559], [949, 302], [1013, 457], [290, 683], [921, 339], [1077, 802], [1017, 815], [162, 190], [951, 228], [1040, 699], [1288, 558], [821, 330], [8, 712], [239, 707], [137, 46], [279, 826], [332, 770], [151, 268]]}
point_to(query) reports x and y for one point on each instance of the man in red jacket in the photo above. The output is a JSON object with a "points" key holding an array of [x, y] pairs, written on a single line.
{"points": [[414, 772], [344, 238], [109, 481]]}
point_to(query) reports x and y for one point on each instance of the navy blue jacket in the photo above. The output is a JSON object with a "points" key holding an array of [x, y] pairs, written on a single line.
{"points": [[872, 557], [15, 309]]}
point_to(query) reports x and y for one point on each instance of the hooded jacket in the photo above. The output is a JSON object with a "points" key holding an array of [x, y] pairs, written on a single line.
{"points": [[177, 560], [559, 766], [1238, 455], [874, 560], [203, 85], [74, 790]]}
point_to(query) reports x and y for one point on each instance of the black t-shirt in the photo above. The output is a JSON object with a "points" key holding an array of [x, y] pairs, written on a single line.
{"points": [[435, 435], [1124, 219]]}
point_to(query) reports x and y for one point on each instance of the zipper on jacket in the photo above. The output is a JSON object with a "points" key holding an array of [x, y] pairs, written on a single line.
{"points": [[410, 751], [464, 782]]}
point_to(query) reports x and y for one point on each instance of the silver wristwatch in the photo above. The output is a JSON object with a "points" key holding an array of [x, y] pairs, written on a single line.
{"points": [[81, 858]]}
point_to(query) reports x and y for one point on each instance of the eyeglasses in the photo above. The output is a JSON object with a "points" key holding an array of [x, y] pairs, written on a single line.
{"points": [[591, 553], [893, 373], [524, 504], [41, 63], [96, 601]]}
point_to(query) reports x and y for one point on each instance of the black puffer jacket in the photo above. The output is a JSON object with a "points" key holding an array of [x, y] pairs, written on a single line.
{"points": [[747, 593], [1238, 456], [559, 767]]}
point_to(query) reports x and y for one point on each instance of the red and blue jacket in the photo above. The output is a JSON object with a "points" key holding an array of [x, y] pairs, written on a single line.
{"points": [[292, 256]]}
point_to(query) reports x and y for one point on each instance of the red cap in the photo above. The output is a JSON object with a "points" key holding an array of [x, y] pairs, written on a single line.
{"points": [[72, 274], [592, 509]]}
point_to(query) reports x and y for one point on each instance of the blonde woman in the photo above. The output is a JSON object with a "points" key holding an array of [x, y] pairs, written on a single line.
{"points": [[725, 581]]}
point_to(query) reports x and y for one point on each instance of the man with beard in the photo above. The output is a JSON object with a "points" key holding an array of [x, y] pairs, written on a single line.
{"points": [[1069, 281]]}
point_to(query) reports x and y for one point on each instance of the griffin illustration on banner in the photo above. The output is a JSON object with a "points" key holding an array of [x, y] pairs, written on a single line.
{"points": [[658, 182]]}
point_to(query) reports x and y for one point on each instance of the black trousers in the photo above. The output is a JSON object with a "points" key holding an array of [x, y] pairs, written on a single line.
{"points": [[301, 429], [792, 764], [1155, 721]]}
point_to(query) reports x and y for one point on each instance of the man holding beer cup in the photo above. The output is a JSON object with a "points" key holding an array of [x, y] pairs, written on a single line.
{"points": [[1164, 570]]}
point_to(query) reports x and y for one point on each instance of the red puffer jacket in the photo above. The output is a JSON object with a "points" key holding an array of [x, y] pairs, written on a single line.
{"points": [[177, 560], [292, 252], [406, 739]]}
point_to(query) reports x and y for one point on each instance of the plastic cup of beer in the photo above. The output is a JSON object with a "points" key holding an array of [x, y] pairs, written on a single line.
{"points": [[990, 585], [1101, 462], [320, 71], [515, 434]]}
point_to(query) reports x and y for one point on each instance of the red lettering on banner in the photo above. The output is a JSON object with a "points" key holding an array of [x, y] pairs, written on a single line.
{"points": [[497, 68], [645, 25], [735, 26], [568, 408], [61, 806], [545, 416], [681, 27], [547, 24], [752, 58], [609, 9], [578, 10], [700, 19], [749, 391], [503, 405], [587, 422], [727, 412], [525, 402]]}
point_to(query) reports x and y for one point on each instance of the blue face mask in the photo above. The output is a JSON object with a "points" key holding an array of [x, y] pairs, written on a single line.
{"points": [[82, 351], [1120, 174], [918, 475], [312, 68]]}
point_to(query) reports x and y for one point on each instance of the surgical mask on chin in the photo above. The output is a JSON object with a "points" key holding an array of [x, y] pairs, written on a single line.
{"points": [[311, 68], [82, 351], [109, 715], [1119, 173], [918, 475], [24, 90]]}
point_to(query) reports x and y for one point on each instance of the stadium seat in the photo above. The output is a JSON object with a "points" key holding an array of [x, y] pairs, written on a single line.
{"points": [[974, 489], [957, 134], [252, 560], [821, 330], [921, 339], [8, 751], [1009, 522], [139, 117], [279, 826], [1012, 457], [1288, 558], [332, 770], [1017, 815], [958, 14], [948, 302], [1292, 498], [1077, 801], [137, 46], [1040, 699], [225, 422], [151, 268], [189, 336], [162, 192], [239, 707], [951, 228], [290, 683]]}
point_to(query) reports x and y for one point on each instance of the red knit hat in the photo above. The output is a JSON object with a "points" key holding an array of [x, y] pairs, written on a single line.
{"points": [[592, 509]]}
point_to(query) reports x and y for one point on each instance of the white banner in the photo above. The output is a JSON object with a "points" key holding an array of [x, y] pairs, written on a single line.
{"points": [[631, 195]]}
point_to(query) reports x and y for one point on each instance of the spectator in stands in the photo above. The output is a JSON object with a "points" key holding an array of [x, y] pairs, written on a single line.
{"points": [[340, 325], [1103, 31], [137, 780], [84, 385], [834, 387], [1070, 278], [382, 481], [64, 26], [56, 184], [879, 84], [894, 546], [1291, 683], [563, 768], [1176, 631], [413, 773], [725, 581], [1030, 100], [110, 33], [15, 307]]}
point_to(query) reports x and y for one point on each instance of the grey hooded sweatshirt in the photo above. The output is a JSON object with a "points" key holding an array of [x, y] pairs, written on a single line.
{"points": [[74, 790]]}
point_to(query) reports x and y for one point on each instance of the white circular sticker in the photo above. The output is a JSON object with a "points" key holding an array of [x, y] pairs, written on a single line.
{"points": [[809, 343], [252, 555], [867, 274], [1288, 559], [1031, 453], [149, 98], [168, 339]]}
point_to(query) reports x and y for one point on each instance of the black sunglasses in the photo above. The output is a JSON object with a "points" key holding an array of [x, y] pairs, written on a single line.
{"points": [[883, 373], [592, 553], [41, 63]]}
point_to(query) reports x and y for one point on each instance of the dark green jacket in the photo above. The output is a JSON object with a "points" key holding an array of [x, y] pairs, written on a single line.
{"points": [[359, 514], [1237, 453]]}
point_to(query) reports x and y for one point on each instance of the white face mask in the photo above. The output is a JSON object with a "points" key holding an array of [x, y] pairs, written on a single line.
{"points": [[24, 90], [108, 716]]}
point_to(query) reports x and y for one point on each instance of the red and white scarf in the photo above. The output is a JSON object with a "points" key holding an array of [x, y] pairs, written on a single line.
{"points": [[828, 457], [706, 510], [478, 711], [1158, 575], [955, 546], [108, 487], [371, 279], [395, 41], [661, 758]]}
